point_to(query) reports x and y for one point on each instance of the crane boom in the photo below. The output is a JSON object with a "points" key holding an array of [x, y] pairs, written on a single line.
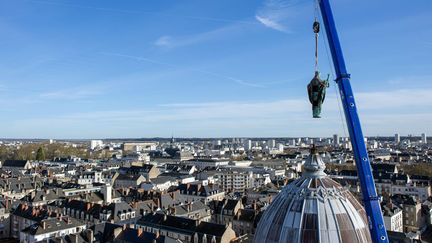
{"points": [[370, 197]]}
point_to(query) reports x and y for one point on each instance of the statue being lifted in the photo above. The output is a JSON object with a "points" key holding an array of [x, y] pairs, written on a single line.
{"points": [[317, 91]]}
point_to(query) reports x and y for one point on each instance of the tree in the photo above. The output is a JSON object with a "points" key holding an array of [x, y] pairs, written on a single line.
{"points": [[40, 154]]}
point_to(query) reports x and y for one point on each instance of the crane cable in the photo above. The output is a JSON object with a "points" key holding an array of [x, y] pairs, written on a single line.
{"points": [[332, 74], [316, 29]]}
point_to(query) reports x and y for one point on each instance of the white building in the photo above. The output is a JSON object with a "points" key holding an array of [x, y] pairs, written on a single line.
{"points": [[234, 181], [271, 143], [397, 138], [424, 138], [393, 218], [421, 191], [95, 144], [248, 144], [203, 163]]}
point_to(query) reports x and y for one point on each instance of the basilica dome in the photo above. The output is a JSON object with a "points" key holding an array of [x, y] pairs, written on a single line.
{"points": [[314, 208]]}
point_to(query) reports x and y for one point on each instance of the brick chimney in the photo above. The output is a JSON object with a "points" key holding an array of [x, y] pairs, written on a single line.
{"points": [[89, 234], [189, 207], [87, 206]]}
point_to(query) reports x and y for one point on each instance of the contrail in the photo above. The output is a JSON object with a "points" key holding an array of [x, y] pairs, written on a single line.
{"points": [[124, 11], [236, 80]]}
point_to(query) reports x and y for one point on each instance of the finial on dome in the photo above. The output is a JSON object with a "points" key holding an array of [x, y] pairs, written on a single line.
{"points": [[314, 165]]}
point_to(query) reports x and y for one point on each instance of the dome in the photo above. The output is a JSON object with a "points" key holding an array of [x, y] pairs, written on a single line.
{"points": [[313, 208]]}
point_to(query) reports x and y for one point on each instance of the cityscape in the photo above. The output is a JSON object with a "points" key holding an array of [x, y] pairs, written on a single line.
{"points": [[193, 190], [217, 121]]}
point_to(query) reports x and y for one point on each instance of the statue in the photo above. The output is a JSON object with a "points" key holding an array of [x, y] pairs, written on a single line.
{"points": [[316, 91]]}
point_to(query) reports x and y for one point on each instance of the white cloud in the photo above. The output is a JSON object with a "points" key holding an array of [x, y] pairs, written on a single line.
{"points": [[221, 33], [71, 94], [277, 14], [163, 41], [271, 23]]}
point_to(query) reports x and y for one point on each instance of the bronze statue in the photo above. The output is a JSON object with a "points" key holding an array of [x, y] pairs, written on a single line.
{"points": [[317, 91]]}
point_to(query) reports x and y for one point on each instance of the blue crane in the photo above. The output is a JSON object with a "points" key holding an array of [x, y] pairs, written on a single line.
{"points": [[370, 196]]}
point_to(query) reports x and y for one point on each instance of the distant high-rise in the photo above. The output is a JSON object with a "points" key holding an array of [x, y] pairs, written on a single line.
{"points": [[271, 143], [397, 138], [248, 144], [336, 140], [424, 138]]}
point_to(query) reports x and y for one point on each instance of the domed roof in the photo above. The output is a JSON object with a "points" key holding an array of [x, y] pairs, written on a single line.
{"points": [[313, 208]]}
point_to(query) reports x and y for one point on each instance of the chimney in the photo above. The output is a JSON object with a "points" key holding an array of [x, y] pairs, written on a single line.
{"points": [[89, 234], [88, 206], [107, 192], [239, 214], [74, 237], [189, 207], [117, 231], [140, 231]]}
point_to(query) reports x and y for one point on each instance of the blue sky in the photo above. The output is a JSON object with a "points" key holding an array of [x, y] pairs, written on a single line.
{"points": [[213, 68]]}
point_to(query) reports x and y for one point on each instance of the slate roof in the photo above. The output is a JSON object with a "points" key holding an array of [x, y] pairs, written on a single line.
{"points": [[145, 168], [193, 207], [199, 190], [17, 184], [52, 225], [182, 225], [104, 232], [72, 238], [14, 163], [31, 213], [128, 177], [383, 167], [41, 195], [131, 236]]}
